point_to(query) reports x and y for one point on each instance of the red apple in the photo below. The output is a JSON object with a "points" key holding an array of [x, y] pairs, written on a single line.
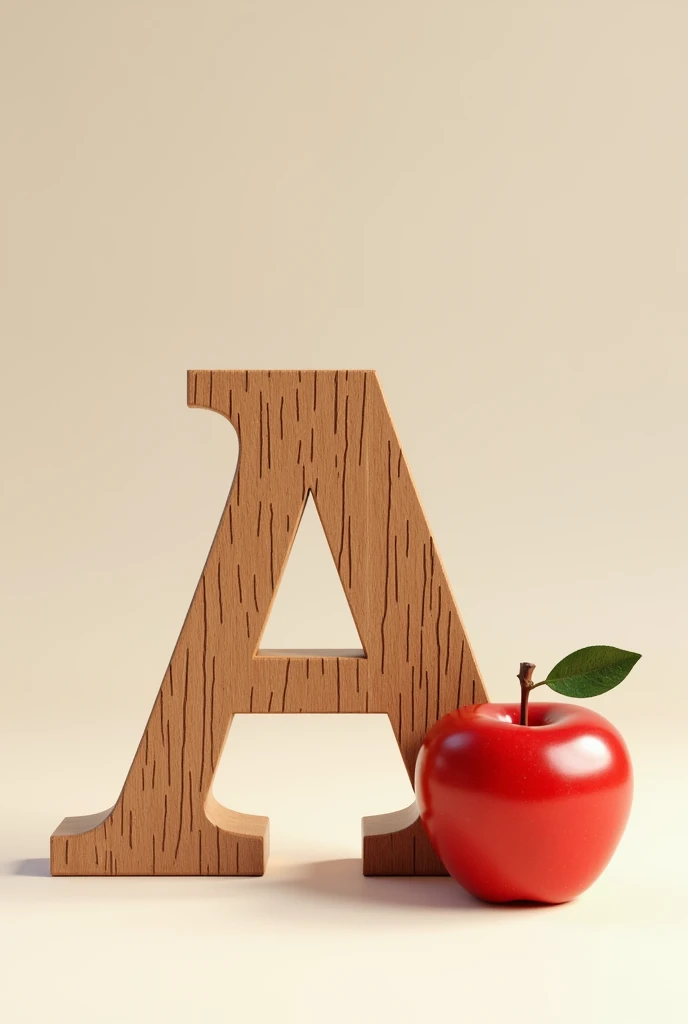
{"points": [[530, 812]]}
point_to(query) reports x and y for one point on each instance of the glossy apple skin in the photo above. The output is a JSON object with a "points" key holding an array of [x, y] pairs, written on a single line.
{"points": [[524, 812]]}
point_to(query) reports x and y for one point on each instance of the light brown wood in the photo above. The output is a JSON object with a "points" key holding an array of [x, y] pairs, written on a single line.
{"points": [[327, 433]]}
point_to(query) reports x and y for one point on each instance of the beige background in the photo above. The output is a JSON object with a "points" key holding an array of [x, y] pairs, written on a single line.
{"points": [[487, 203]]}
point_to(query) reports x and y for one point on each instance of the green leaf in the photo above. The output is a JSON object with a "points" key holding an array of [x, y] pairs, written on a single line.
{"points": [[591, 671]]}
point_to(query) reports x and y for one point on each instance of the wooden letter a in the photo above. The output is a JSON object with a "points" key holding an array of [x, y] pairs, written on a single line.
{"points": [[329, 434]]}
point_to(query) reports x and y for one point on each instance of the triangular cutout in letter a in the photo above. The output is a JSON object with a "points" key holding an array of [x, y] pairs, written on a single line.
{"points": [[310, 611]]}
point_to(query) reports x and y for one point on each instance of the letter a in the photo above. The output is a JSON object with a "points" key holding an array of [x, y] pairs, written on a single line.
{"points": [[327, 434]]}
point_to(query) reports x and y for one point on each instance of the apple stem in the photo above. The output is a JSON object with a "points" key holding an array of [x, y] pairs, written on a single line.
{"points": [[525, 677]]}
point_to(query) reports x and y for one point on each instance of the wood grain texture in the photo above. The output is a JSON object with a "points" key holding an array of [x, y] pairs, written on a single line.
{"points": [[327, 433]]}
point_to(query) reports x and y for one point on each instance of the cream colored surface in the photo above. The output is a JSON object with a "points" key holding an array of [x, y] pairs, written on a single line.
{"points": [[486, 202]]}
